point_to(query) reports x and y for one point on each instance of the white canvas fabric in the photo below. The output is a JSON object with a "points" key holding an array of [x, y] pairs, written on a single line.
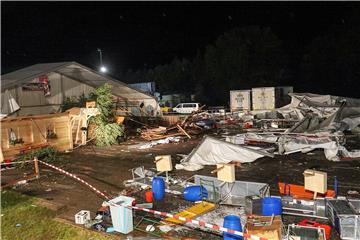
{"points": [[9, 104], [212, 151]]}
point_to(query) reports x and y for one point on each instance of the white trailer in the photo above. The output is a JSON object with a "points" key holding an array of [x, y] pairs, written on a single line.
{"points": [[240, 100], [268, 98]]}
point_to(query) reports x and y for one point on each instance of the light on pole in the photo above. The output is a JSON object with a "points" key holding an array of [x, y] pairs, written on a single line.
{"points": [[102, 67]]}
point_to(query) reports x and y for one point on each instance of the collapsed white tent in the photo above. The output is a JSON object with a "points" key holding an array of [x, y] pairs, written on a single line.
{"points": [[212, 151], [66, 81], [322, 105], [304, 143], [322, 121]]}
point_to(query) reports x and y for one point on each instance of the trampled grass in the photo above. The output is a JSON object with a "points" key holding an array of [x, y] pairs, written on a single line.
{"points": [[35, 222]]}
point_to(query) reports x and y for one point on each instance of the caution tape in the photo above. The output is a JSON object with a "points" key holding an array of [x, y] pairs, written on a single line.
{"points": [[18, 162], [200, 223], [76, 178], [163, 214]]}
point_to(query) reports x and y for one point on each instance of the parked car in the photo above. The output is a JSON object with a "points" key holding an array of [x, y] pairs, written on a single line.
{"points": [[206, 123], [166, 109], [186, 107], [217, 111]]}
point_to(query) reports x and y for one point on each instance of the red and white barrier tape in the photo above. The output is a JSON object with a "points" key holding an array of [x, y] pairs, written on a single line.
{"points": [[164, 214], [18, 162], [200, 223], [77, 178]]}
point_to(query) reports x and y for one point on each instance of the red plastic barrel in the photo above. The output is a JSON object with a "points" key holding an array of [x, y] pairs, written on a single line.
{"points": [[149, 196]]}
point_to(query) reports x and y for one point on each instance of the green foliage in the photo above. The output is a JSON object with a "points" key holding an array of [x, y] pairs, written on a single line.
{"points": [[335, 58], [47, 154], [104, 101], [239, 59], [173, 77], [106, 132], [71, 102]]}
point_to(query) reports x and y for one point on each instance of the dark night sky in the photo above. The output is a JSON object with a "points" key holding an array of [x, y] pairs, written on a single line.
{"points": [[138, 34]]}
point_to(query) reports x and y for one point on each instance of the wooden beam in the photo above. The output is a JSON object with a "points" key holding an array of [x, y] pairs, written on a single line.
{"points": [[182, 130], [36, 167]]}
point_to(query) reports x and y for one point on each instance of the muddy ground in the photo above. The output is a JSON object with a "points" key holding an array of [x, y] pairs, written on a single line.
{"points": [[107, 168]]}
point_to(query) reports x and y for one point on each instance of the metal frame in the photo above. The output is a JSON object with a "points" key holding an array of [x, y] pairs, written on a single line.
{"points": [[344, 218], [306, 208], [232, 193], [319, 230], [136, 227]]}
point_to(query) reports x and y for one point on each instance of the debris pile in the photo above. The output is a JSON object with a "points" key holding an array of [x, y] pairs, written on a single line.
{"points": [[192, 124], [223, 206], [318, 122]]}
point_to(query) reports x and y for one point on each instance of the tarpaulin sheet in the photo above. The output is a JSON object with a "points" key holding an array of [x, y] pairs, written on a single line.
{"points": [[9, 104], [305, 144], [212, 151]]}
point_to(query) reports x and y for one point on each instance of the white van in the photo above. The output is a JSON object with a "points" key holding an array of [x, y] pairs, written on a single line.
{"points": [[186, 107]]}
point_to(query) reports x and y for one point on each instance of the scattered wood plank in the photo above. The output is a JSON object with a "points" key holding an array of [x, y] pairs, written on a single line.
{"points": [[182, 130], [178, 129]]}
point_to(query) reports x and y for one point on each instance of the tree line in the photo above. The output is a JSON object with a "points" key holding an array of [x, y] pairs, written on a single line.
{"points": [[254, 56]]}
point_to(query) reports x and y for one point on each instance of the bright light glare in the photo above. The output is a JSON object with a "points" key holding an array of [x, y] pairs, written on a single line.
{"points": [[103, 69]]}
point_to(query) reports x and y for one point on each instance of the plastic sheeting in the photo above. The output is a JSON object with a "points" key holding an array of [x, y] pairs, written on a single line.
{"points": [[288, 145], [9, 104], [157, 142], [212, 151]]}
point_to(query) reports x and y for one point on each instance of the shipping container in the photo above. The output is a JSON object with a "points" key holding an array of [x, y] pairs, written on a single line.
{"points": [[269, 98], [240, 100]]}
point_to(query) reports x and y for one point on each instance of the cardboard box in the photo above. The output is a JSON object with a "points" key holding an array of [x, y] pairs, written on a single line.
{"points": [[163, 163], [82, 216], [315, 181], [226, 173]]}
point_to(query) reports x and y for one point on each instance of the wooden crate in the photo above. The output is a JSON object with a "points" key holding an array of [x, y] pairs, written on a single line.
{"points": [[33, 130], [271, 232], [315, 181]]}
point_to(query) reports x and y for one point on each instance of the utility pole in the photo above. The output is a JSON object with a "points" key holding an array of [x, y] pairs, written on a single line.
{"points": [[100, 55]]}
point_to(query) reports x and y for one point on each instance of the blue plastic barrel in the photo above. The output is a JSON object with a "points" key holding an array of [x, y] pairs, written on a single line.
{"points": [[271, 205], [233, 222], [158, 188], [195, 193]]}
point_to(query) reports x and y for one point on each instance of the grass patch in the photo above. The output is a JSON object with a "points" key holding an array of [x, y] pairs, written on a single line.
{"points": [[36, 222]]}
